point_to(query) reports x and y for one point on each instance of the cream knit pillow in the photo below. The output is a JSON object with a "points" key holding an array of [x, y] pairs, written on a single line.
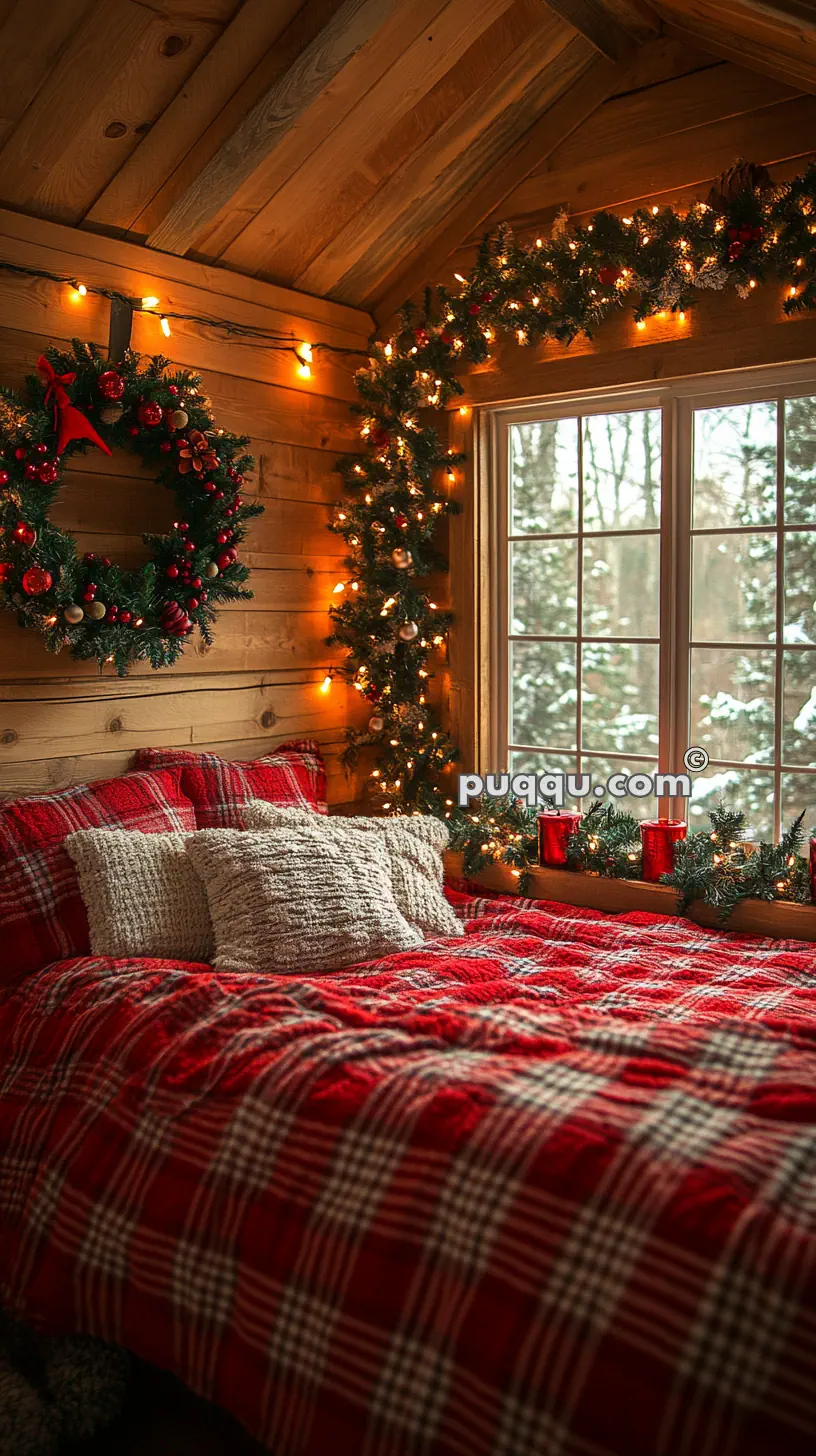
{"points": [[142, 895], [298, 901], [414, 847]]}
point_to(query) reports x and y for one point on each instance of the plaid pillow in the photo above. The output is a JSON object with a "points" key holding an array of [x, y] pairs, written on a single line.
{"points": [[42, 915], [293, 775]]}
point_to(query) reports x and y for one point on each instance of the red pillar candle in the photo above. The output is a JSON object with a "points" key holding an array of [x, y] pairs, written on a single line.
{"points": [[813, 870], [658, 837], [554, 829]]}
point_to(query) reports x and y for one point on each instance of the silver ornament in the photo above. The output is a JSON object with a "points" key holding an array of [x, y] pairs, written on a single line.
{"points": [[376, 723], [408, 631], [74, 614]]}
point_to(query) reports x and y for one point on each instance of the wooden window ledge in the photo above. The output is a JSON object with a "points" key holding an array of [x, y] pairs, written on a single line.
{"points": [[754, 917]]}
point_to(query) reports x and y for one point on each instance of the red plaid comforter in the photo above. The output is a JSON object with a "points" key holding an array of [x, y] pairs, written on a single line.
{"points": [[546, 1191]]}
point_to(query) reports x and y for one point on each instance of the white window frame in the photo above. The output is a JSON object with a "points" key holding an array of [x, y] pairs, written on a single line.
{"points": [[677, 400]]}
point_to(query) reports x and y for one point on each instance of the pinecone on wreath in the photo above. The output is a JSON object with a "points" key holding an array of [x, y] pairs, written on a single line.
{"points": [[742, 177]]}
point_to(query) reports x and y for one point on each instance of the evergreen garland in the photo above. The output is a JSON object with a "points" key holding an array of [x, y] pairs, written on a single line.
{"points": [[398, 484], [718, 867], [606, 843], [498, 831], [92, 606]]}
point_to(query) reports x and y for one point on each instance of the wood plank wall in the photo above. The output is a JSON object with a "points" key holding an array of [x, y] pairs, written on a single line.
{"points": [[62, 722]]}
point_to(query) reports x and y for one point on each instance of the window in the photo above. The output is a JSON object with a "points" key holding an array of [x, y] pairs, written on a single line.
{"points": [[656, 584]]}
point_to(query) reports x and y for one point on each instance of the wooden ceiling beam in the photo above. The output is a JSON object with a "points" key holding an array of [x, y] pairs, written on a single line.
{"points": [[595, 22], [600, 80], [793, 12], [270, 120], [748, 53]]}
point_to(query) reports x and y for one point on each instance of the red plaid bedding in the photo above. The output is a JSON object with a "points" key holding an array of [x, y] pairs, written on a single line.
{"points": [[546, 1191]]}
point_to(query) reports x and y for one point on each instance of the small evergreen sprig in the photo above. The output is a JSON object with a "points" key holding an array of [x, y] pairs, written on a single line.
{"points": [[606, 843], [719, 868], [497, 831]]}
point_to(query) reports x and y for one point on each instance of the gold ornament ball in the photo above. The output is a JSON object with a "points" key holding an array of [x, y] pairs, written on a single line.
{"points": [[408, 631], [179, 419], [74, 614], [401, 558], [96, 611], [111, 414], [211, 569], [376, 724]]}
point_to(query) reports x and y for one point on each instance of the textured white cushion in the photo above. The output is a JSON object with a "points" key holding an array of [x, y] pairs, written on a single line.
{"points": [[414, 846], [142, 895], [299, 900]]}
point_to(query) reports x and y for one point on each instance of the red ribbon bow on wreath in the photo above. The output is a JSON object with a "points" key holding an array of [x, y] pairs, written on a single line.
{"points": [[69, 422]]}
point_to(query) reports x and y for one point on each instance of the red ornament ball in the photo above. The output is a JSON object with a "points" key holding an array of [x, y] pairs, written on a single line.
{"points": [[4, 478], [192, 604], [36, 581], [400, 520], [487, 296], [134, 430], [226, 559], [609, 275], [31, 472], [150, 413], [25, 534], [380, 438], [47, 473], [21, 453], [111, 385], [172, 389], [125, 616], [165, 447], [172, 571], [41, 449], [6, 569], [446, 336], [474, 309]]}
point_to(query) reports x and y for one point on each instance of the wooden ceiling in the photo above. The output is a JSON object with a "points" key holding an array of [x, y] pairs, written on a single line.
{"points": [[331, 145]]}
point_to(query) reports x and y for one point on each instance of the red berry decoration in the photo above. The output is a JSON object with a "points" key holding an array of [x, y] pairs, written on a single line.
{"points": [[222, 538], [474, 309], [150, 413], [209, 486], [47, 473], [25, 534], [36, 581], [41, 449], [421, 336], [4, 478], [172, 571], [31, 472], [172, 389], [21, 453], [133, 430], [192, 604], [165, 447], [111, 385], [609, 275], [125, 616], [487, 296], [6, 569]]}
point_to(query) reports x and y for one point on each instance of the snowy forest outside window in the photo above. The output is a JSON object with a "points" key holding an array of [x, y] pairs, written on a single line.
{"points": [[658, 590]]}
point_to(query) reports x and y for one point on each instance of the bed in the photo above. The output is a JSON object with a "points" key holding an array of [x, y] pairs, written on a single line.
{"points": [[545, 1189]]}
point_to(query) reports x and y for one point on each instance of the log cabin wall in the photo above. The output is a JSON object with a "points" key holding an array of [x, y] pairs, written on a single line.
{"points": [[60, 721]]}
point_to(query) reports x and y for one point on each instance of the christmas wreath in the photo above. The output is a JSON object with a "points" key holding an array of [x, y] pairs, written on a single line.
{"points": [[88, 603]]}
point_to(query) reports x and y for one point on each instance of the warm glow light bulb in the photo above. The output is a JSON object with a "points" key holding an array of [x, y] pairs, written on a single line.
{"points": [[150, 301], [325, 686], [165, 326]]}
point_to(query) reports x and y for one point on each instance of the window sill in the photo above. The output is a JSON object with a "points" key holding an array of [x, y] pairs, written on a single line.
{"points": [[753, 917]]}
